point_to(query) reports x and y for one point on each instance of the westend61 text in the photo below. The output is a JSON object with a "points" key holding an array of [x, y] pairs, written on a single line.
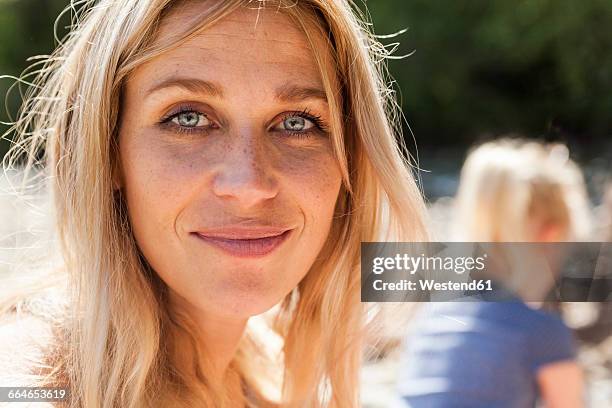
{"points": [[430, 284]]}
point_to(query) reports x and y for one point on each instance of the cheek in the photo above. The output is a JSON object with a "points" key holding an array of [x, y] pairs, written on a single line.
{"points": [[159, 176], [314, 180], [154, 192]]}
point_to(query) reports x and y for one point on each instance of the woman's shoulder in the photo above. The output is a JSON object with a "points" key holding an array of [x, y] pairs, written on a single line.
{"points": [[24, 337]]}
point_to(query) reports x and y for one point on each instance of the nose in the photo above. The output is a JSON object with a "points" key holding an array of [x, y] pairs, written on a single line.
{"points": [[246, 175]]}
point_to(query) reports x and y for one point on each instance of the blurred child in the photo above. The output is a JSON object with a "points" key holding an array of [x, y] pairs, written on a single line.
{"points": [[515, 191], [502, 354]]}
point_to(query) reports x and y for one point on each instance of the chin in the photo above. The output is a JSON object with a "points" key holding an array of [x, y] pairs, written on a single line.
{"points": [[244, 307], [244, 302]]}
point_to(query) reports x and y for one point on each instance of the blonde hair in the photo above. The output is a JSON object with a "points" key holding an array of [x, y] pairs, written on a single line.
{"points": [[511, 187], [113, 358]]}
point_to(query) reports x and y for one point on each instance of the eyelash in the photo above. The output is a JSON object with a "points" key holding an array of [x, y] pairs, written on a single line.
{"points": [[319, 124]]}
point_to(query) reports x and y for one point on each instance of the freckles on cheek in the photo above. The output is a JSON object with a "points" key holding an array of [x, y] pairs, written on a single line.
{"points": [[163, 170], [152, 185], [316, 181]]}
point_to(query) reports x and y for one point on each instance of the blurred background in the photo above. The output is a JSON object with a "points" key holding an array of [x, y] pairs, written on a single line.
{"points": [[474, 70], [477, 69]]}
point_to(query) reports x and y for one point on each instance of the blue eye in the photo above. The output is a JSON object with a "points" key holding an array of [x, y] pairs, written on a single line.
{"points": [[296, 123], [187, 119], [301, 124], [190, 119]]}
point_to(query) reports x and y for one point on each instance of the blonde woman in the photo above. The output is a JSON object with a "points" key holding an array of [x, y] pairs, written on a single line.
{"points": [[209, 160], [502, 353]]}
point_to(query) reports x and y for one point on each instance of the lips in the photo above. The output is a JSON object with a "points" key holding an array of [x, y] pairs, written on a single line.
{"points": [[252, 242]]}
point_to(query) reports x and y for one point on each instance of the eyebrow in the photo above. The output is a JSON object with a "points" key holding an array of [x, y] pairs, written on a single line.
{"points": [[285, 93], [193, 85], [290, 93]]}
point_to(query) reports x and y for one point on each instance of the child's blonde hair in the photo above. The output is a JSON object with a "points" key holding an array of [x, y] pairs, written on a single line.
{"points": [[511, 190]]}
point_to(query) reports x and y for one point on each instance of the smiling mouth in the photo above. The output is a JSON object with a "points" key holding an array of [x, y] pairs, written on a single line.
{"points": [[245, 243]]}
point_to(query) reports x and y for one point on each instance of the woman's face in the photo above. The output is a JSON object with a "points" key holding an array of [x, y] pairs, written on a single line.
{"points": [[226, 163]]}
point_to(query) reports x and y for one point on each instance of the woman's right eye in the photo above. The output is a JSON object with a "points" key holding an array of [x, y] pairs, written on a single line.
{"points": [[190, 119]]}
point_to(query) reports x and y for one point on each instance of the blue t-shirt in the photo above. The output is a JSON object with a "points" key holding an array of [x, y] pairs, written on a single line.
{"points": [[479, 354]]}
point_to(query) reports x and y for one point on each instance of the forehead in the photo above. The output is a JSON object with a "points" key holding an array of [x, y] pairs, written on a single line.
{"points": [[247, 44]]}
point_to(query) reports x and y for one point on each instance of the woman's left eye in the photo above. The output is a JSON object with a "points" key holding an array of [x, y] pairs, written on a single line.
{"points": [[295, 123], [302, 124]]}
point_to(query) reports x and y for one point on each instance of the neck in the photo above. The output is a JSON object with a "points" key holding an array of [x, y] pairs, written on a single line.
{"points": [[220, 338], [217, 336]]}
